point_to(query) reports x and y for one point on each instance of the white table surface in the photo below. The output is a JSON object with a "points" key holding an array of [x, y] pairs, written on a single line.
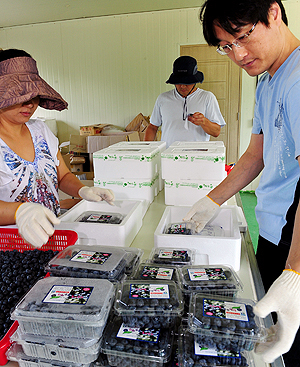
{"points": [[248, 272]]}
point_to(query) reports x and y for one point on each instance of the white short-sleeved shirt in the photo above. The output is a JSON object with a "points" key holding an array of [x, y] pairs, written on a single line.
{"points": [[277, 116], [168, 113], [36, 181]]}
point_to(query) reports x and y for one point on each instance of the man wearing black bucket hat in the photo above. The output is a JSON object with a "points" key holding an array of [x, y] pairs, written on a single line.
{"points": [[185, 113]]}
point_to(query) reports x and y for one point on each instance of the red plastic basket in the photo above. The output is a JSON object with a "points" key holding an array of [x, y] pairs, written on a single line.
{"points": [[11, 240]]}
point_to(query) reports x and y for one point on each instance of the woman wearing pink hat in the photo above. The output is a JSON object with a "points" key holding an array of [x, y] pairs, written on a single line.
{"points": [[31, 166]]}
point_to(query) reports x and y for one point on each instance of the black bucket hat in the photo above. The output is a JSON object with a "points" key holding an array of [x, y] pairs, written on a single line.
{"points": [[185, 71]]}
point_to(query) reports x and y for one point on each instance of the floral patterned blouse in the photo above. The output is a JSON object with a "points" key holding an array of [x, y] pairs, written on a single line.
{"points": [[36, 181]]}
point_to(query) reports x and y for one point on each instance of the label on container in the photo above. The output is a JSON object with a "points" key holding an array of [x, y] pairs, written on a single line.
{"points": [[212, 352], [207, 274], [91, 257], [68, 294], [149, 291], [173, 254], [157, 273], [225, 310], [178, 228], [145, 334]]}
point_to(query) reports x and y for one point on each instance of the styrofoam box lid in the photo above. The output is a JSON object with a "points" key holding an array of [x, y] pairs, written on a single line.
{"points": [[136, 297], [161, 145], [147, 153], [156, 272], [205, 309], [80, 299], [178, 256], [107, 259], [15, 353], [209, 278], [86, 345], [159, 350], [198, 152], [188, 347], [193, 144]]}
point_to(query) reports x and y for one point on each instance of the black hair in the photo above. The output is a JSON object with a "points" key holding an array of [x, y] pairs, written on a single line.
{"points": [[11, 53], [231, 15]]}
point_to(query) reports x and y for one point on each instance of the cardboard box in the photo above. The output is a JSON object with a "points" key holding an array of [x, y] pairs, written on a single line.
{"points": [[77, 144], [91, 129], [139, 123]]}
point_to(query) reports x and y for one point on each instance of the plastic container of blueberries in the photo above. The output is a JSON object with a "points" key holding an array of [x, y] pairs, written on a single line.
{"points": [[147, 303], [89, 261], [65, 307], [100, 217], [156, 272], [205, 352], [226, 318], [133, 259], [210, 279], [135, 347], [178, 256], [15, 353], [58, 348]]}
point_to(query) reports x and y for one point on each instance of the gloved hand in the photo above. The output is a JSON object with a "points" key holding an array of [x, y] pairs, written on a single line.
{"points": [[202, 212], [35, 223], [283, 297], [96, 194]]}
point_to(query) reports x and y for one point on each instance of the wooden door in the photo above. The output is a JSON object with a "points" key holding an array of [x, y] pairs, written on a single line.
{"points": [[222, 77]]}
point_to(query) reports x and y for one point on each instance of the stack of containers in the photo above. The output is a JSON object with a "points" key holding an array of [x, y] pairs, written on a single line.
{"points": [[61, 321], [161, 145], [132, 172], [146, 311], [191, 170]]}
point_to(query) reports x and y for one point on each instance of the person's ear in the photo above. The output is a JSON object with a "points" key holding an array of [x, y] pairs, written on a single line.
{"points": [[275, 13]]}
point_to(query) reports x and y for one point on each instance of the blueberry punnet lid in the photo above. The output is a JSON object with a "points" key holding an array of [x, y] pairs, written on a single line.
{"points": [[92, 261], [146, 297], [171, 256], [199, 349], [80, 299], [226, 317], [209, 278], [137, 344], [75, 343], [157, 272]]}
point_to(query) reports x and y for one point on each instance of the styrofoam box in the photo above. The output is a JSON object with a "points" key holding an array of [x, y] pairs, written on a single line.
{"points": [[187, 192], [161, 145], [131, 188], [194, 160], [220, 250], [103, 233], [126, 162]]}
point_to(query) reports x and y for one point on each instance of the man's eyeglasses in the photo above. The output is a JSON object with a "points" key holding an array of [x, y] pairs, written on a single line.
{"points": [[239, 42]]}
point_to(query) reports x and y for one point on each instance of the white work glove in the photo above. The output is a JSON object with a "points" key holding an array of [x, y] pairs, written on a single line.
{"points": [[283, 297], [202, 212], [35, 223], [96, 194]]}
